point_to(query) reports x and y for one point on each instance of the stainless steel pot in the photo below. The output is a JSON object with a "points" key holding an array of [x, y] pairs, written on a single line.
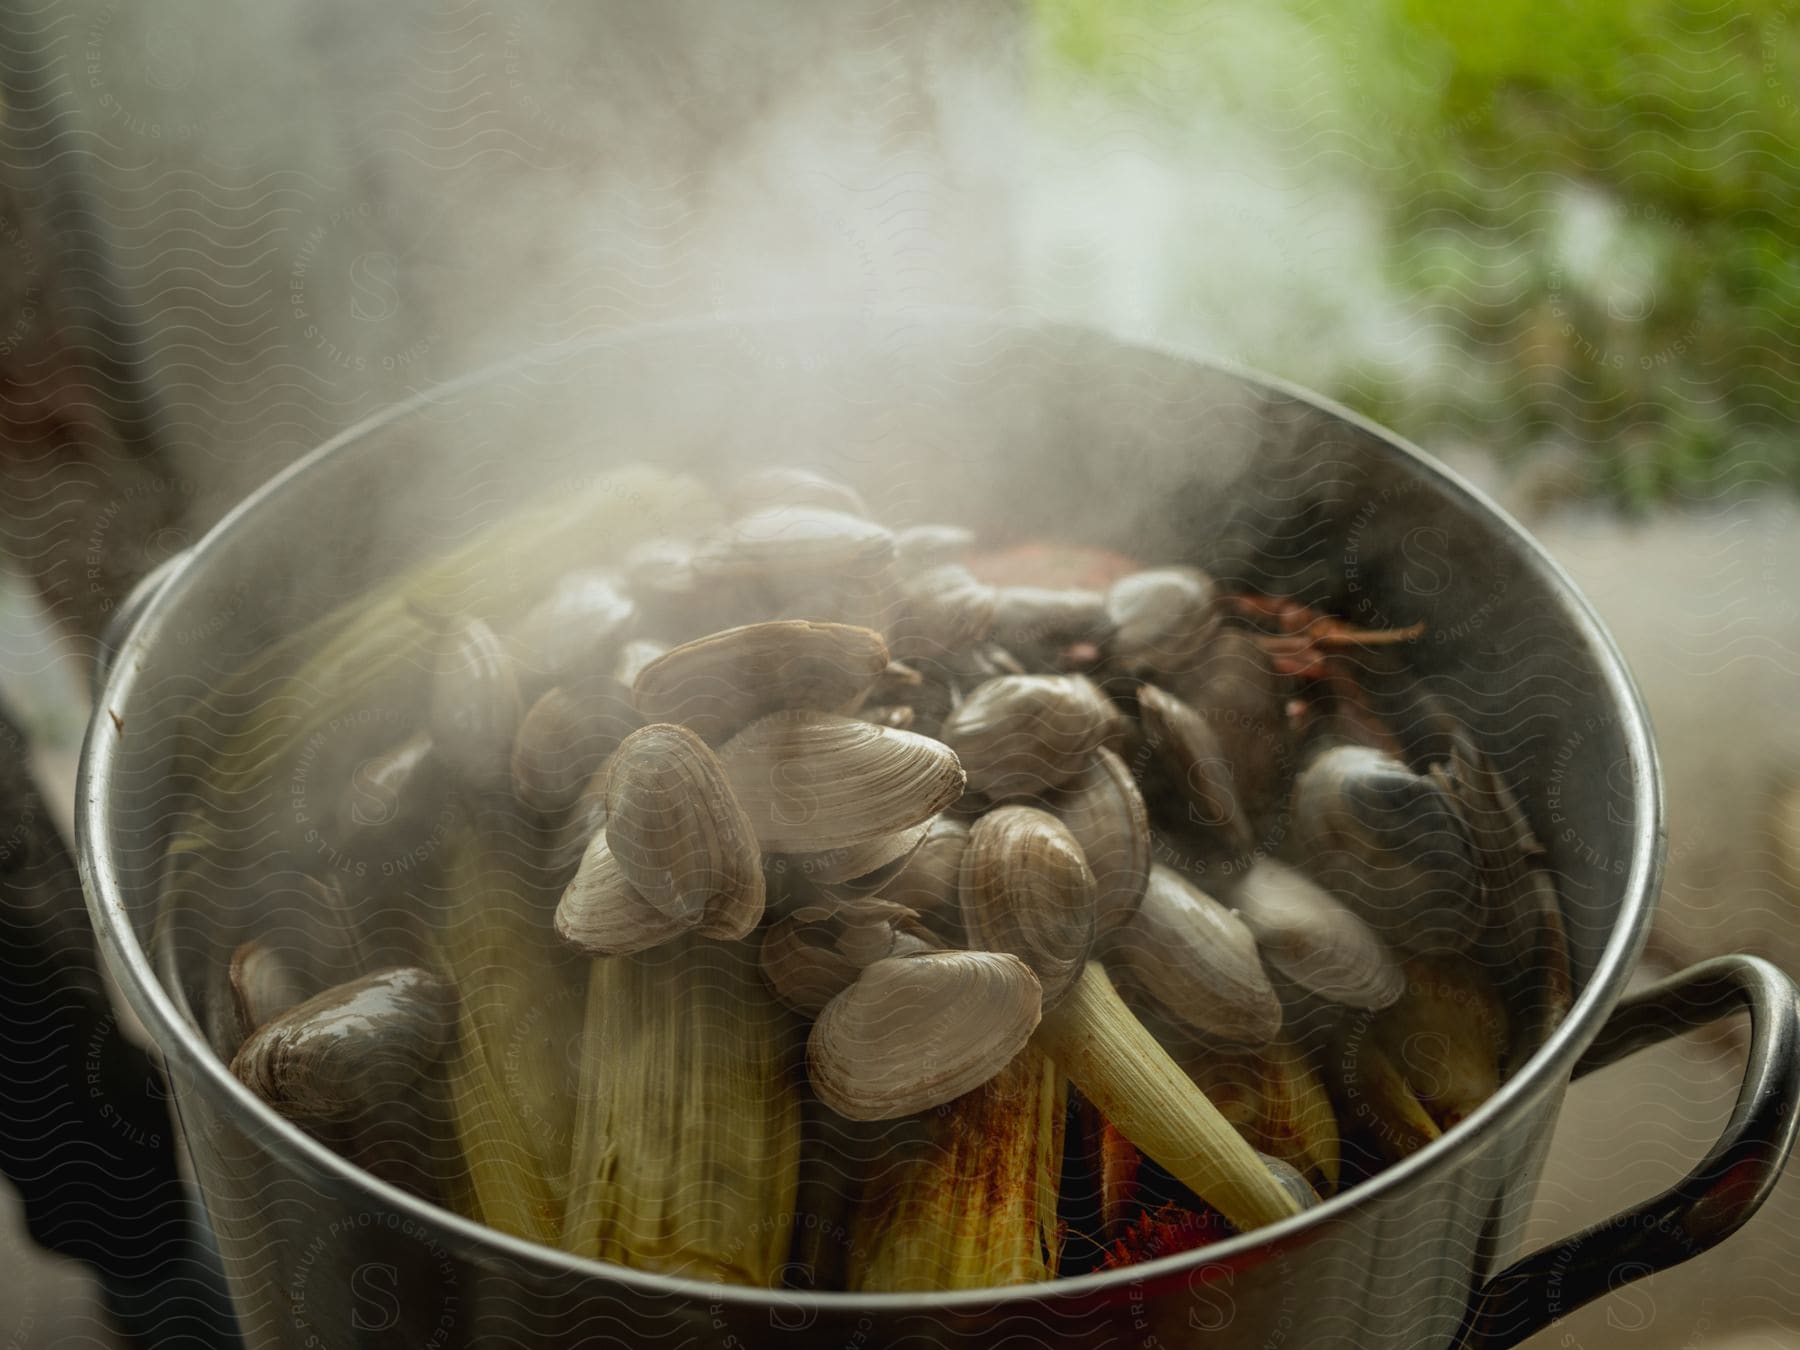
{"points": [[1020, 428]]}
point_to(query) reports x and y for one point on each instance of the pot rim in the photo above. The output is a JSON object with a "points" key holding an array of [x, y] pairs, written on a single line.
{"points": [[177, 1037]]}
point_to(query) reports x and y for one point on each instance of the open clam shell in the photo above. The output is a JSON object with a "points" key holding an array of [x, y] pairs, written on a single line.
{"points": [[601, 914], [813, 955], [929, 884], [916, 1031], [811, 781], [677, 832]]}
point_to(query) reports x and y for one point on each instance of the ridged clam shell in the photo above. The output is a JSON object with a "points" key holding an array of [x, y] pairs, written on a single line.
{"points": [[854, 869], [717, 684], [1392, 845], [1199, 961], [811, 957], [600, 913], [812, 781], [677, 831], [1104, 810], [575, 629], [917, 1031], [354, 1045], [1024, 735], [564, 741], [929, 883], [475, 707], [1162, 619], [1315, 941], [1026, 889]]}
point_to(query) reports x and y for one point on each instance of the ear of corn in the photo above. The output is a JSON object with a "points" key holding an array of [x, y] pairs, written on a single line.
{"points": [[967, 1199], [1276, 1100], [687, 1132], [520, 1008], [1126, 1073]]}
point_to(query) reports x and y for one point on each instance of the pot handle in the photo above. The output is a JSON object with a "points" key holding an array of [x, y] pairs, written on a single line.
{"points": [[1714, 1200]]}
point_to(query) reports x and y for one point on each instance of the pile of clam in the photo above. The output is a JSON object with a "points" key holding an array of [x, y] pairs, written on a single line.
{"points": [[1121, 819]]}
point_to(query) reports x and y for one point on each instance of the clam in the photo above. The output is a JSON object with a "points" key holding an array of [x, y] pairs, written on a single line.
{"points": [[816, 953], [787, 543], [333, 1055], [916, 1031], [854, 869], [1039, 622], [1315, 941], [814, 781], [1184, 746], [678, 834], [1024, 735], [1162, 620], [1026, 889], [942, 610], [717, 684], [633, 657], [928, 884], [924, 546], [1392, 845], [264, 984], [899, 716], [565, 739], [1290, 1180], [601, 914], [782, 486], [1199, 962], [1104, 810], [574, 630], [475, 705]]}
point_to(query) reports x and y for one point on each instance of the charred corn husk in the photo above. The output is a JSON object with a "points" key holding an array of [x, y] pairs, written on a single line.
{"points": [[967, 1199], [1276, 1100], [687, 1148]]}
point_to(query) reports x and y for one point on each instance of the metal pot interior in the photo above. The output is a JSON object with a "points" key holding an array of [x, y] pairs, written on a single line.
{"points": [[1021, 432]]}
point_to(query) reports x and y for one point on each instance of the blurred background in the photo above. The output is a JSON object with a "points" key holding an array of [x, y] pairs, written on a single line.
{"points": [[1558, 245]]}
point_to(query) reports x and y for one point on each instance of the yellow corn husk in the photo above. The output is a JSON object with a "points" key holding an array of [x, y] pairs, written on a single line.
{"points": [[968, 1197], [1446, 1036], [368, 650], [510, 1081], [687, 1149], [1120, 1067], [841, 1160], [1276, 1100]]}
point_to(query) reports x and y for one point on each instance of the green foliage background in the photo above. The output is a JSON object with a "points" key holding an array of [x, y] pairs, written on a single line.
{"points": [[1665, 364]]}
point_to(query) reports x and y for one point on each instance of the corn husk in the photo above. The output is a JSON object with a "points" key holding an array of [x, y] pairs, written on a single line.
{"points": [[511, 1082], [968, 1198], [1276, 1100], [371, 651], [688, 1127]]}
